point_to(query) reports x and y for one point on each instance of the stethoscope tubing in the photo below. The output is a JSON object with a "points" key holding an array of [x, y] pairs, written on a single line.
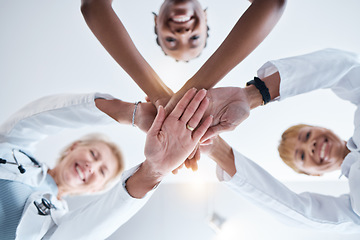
{"points": [[20, 166]]}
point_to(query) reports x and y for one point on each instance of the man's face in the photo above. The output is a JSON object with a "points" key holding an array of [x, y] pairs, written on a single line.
{"points": [[181, 28], [318, 150]]}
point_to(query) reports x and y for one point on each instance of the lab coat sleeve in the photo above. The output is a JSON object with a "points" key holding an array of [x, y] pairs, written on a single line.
{"points": [[304, 209], [103, 216], [49, 115], [353, 175], [328, 68]]}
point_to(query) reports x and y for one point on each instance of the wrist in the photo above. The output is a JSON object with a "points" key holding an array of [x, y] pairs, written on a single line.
{"points": [[161, 98], [253, 96], [152, 172], [119, 110], [136, 109], [142, 181], [220, 149], [223, 155]]}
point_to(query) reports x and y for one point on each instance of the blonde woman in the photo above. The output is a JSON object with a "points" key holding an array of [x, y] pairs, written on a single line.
{"points": [[312, 150], [31, 200]]}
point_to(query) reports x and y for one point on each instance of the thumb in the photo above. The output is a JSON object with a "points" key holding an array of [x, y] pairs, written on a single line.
{"points": [[170, 106], [158, 121], [212, 132], [147, 99]]}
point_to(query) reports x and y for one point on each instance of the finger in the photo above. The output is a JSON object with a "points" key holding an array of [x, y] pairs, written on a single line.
{"points": [[214, 131], [176, 170], [187, 163], [183, 103], [147, 99], [193, 106], [170, 106], [197, 155], [158, 121], [200, 131], [192, 154], [207, 141], [194, 161], [198, 115]]}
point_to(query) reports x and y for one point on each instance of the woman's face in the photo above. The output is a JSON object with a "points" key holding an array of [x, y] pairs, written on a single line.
{"points": [[318, 150], [86, 168], [181, 28]]}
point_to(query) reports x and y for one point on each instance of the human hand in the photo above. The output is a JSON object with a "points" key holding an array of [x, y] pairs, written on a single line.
{"points": [[229, 106], [145, 115], [171, 103], [191, 161], [169, 141], [160, 101]]}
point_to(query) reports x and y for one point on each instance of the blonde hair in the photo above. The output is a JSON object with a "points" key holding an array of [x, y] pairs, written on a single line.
{"points": [[96, 138], [286, 149]]}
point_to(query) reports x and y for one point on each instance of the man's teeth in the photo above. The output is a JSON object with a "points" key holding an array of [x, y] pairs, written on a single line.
{"points": [[181, 18], [322, 151], [81, 175]]}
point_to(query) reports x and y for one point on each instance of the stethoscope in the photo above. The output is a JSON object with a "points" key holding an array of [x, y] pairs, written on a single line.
{"points": [[20, 166], [45, 205]]}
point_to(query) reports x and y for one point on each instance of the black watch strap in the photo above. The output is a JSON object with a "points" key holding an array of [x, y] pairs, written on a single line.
{"points": [[264, 91]]}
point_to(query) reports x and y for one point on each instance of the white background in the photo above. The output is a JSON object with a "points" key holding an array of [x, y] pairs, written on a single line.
{"points": [[46, 48]]}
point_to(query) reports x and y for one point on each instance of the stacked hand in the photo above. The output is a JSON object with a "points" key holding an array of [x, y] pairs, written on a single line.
{"points": [[145, 115], [229, 106], [171, 139]]}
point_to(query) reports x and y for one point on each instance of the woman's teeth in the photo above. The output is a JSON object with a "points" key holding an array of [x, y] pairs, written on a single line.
{"points": [[181, 19], [80, 173], [322, 151]]}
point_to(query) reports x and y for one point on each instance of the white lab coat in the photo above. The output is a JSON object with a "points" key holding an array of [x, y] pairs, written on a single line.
{"points": [[328, 68], [49, 115]]}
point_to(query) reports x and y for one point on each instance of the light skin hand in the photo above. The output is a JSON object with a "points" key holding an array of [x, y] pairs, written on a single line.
{"points": [[221, 153], [229, 106], [168, 141], [191, 161], [145, 115], [163, 151]]}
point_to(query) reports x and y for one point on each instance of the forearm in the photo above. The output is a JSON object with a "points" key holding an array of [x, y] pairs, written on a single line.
{"points": [[310, 209], [223, 155], [143, 181], [119, 110], [109, 30], [250, 30]]}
